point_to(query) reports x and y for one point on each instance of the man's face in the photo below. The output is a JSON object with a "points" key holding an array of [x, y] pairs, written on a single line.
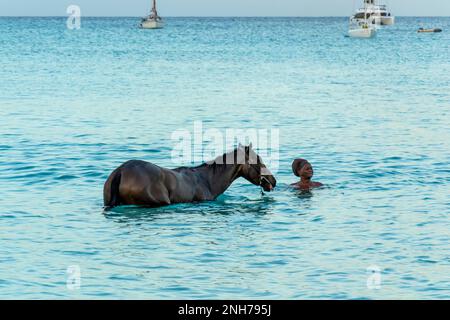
{"points": [[306, 171]]}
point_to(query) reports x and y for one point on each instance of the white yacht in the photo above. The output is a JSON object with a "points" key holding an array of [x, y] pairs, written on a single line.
{"points": [[361, 27], [378, 14], [153, 21]]}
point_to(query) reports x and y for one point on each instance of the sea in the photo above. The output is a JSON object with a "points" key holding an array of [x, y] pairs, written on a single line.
{"points": [[371, 115]]}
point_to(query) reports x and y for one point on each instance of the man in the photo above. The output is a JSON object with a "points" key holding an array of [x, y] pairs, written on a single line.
{"points": [[303, 169]]}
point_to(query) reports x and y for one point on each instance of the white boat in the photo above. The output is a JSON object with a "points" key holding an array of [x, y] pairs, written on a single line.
{"points": [[364, 31], [151, 24], [153, 21], [377, 14], [361, 28]]}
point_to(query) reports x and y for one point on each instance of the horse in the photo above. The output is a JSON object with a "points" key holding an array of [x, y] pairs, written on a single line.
{"points": [[145, 184]]}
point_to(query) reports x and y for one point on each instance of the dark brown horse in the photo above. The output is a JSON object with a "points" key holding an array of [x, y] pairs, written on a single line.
{"points": [[143, 183]]}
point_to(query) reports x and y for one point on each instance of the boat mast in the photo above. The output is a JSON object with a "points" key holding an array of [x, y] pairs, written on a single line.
{"points": [[366, 2], [155, 14]]}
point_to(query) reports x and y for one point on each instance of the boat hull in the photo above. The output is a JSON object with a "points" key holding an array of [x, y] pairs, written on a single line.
{"points": [[362, 33], [387, 21], [429, 30], [151, 24]]}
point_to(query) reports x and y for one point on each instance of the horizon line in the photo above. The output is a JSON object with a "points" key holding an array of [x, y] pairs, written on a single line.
{"points": [[94, 16]]}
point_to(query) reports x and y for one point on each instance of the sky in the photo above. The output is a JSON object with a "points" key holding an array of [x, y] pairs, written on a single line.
{"points": [[170, 8]]}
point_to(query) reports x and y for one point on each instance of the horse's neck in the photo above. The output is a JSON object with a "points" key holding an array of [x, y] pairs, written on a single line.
{"points": [[219, 179]]}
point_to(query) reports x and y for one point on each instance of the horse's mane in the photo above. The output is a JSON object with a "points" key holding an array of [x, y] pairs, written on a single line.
{"points": [[217, 164]]}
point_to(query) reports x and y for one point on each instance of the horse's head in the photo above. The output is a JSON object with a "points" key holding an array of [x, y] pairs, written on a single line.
{"points": [[253, 169]]}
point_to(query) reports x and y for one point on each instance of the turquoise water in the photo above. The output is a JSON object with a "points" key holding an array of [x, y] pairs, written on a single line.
{"points": [[371, 115]]}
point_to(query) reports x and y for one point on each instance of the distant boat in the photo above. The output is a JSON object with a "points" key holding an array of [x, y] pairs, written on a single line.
{"points": [[361, 28], [377, 14], [422, 30], [153, 21]]}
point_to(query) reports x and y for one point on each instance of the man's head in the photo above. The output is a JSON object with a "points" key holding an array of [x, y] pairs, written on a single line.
{"points": [[302, 168]]}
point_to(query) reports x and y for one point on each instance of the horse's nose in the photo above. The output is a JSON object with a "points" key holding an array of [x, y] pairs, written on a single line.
{"points": [[273, 182]]}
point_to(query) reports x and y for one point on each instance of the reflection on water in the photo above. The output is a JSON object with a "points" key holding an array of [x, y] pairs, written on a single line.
{"points": [[304, 194], [221, 207]]}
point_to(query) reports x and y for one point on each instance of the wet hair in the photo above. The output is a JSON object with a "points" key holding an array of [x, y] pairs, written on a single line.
{"points": [[297, 165]]}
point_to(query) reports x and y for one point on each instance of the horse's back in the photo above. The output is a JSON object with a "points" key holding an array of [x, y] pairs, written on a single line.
{"points": [[139, 164], [144, 183], [139, 173]]}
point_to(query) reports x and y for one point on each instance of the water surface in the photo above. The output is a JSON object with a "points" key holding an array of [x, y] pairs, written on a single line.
{"points": [[371, 115]]}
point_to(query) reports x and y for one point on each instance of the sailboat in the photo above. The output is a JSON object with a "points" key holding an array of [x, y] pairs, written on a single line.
{"points": [[153, 21], [361, 28]]}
